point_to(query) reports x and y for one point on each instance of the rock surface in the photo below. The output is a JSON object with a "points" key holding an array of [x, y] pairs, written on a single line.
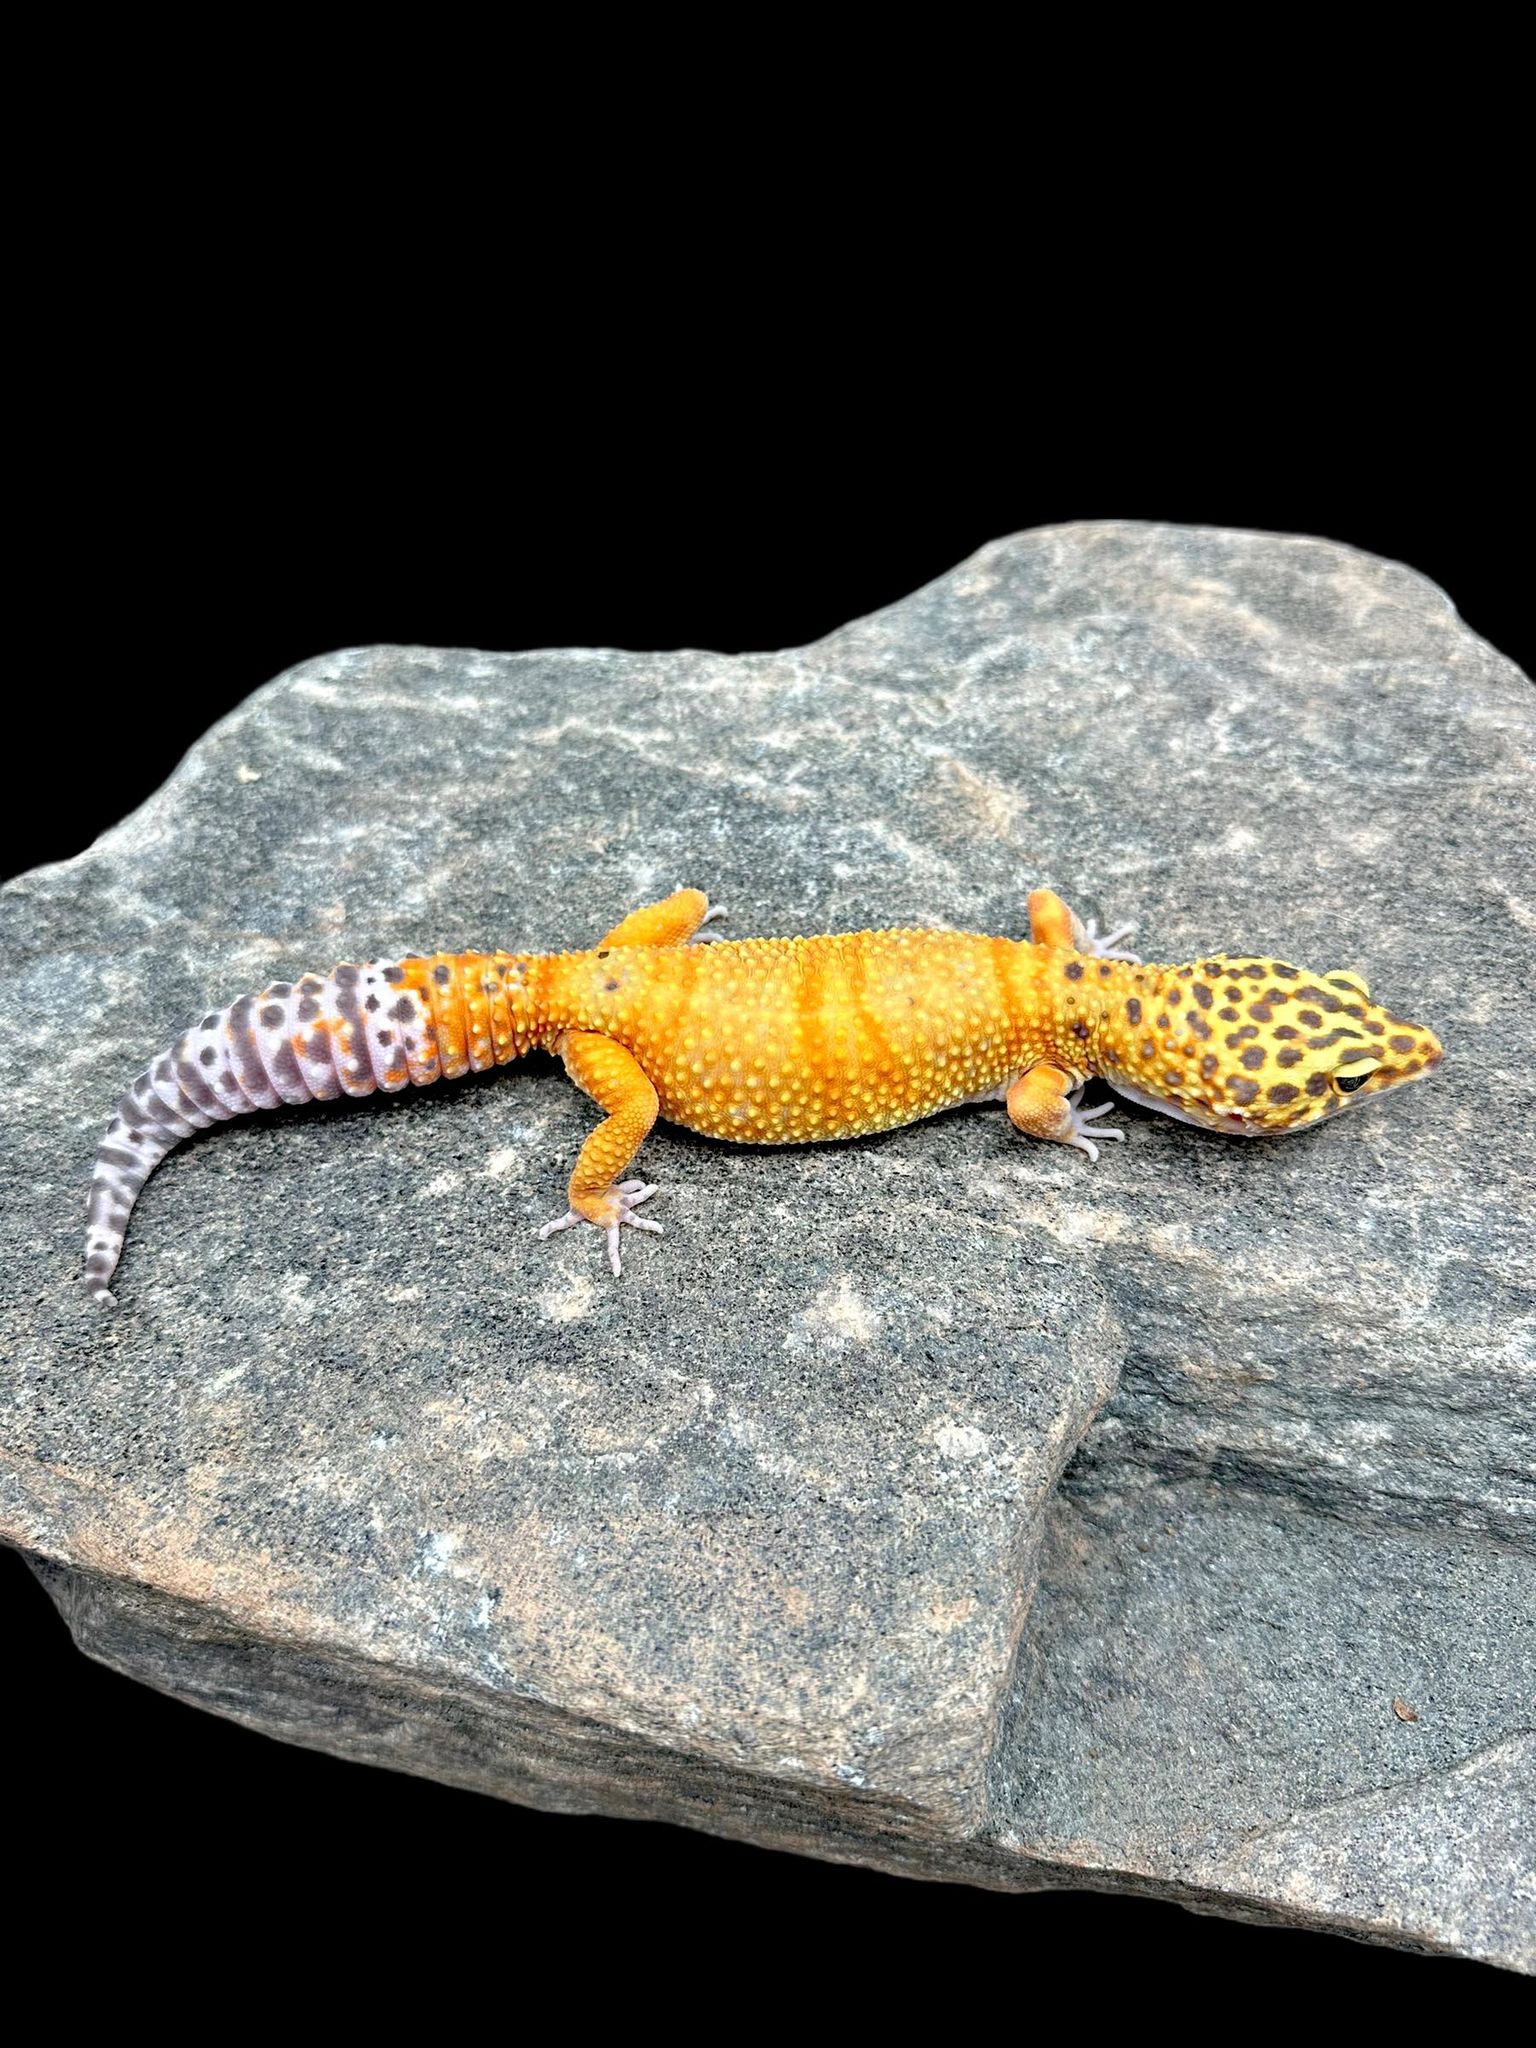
{"points": [[938, 1502]]}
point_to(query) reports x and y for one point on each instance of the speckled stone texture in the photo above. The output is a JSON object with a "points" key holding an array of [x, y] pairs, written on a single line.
{"points": [[941, 1501]]}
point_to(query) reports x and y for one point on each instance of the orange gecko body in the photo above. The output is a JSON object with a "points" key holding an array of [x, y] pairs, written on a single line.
{"points": [[779, 1041]]}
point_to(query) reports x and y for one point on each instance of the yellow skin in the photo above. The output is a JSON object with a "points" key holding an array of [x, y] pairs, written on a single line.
{"points": [[774, 1041]]}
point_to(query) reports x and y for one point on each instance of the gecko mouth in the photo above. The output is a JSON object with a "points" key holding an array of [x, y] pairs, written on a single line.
{"points": [[1231, 1122]]}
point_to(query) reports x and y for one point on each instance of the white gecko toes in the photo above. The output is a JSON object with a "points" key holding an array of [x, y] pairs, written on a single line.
{"points": [[1077, 1136], [1107, 947], [628, 1194], [702, 937]]}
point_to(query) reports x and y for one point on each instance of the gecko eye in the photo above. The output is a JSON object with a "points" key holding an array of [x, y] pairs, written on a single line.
{"points": [[1355, 1073]]}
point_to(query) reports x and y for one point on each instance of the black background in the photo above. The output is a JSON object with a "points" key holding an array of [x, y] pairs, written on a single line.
{"points": [[291, 464]]}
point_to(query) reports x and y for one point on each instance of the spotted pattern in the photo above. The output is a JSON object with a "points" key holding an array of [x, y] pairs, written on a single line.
{"points": [[379, 1025], [1292, 1041]]}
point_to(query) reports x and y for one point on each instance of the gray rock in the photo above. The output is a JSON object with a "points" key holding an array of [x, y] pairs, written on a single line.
{"points": [[768, 1538]]}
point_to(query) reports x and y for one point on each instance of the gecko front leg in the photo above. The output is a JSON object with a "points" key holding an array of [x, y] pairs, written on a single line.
{"points": [[1051, 923], [616, 1081], [1043, 1104]]}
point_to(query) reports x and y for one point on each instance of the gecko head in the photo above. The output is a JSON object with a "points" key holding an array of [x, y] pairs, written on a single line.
{"points": [[1260, 1048]]}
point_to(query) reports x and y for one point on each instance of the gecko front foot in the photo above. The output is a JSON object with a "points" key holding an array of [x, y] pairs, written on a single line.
{"points": [[1106, 948], [1080, 1117], [614, 1210], [702, 937]]}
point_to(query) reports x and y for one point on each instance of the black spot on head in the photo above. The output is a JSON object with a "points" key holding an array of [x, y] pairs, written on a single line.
{"points": [[1260, 1012], [1235, 993], [1254, 1058], [1243, 1091], [1400, 1043], [1318, 1084], [1209, 1065], [1202, 995], [208, 1055], [1285, 973], [273, 1015], [1288, 1055], [1320, 996], [1313, 1019], [1227, 1014], [1074, 970], [1242, 1036], [1133, 1010], [1285, 1031], [1197, 1024], [1284, 1091], [1254, 971]]}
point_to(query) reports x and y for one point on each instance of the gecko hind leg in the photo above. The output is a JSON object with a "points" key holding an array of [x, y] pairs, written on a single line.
{"points": [[671, 922], [628, 1195], [617, 1083]]}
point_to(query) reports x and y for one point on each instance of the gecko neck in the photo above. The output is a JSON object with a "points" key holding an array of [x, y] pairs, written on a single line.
{"points": [[1108, 1017]]}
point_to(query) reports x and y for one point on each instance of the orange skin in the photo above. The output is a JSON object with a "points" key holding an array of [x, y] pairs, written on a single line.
{"points": [[775, 1041]]}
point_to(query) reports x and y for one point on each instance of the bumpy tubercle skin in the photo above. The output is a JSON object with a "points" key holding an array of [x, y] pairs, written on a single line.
{"points": [[782, 1041]]}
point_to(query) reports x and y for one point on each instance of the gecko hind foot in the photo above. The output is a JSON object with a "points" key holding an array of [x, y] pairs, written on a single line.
{"points": [[1077, 1138], [628, 1195]]}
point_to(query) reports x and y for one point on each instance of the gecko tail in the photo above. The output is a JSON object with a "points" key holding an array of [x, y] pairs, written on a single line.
{"points": [[142, 1131]]}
